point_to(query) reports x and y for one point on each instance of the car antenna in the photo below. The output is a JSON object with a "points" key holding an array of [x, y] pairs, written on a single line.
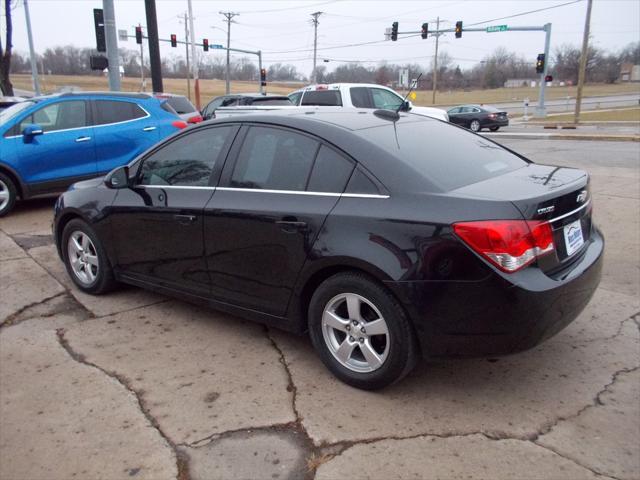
{"points": [[393, 114]]}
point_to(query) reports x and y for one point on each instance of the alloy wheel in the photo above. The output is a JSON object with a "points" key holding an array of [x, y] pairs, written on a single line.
{"points": [[355, 332], [83, 257], [5, 195], [475, 126]]}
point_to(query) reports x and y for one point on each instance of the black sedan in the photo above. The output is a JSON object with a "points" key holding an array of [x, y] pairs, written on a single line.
{"points": [[243, 99], [387, 240], [477, 117]]}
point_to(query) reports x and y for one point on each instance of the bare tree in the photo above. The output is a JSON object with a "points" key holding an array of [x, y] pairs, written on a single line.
{"points": [[5, 55]]}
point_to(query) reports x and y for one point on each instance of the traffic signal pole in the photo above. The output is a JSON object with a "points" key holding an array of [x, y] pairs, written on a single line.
{"points": [[112, 45], [540, 109], [435, 65], [260, 70], [194, 61], [32, 53], [154, 46]]}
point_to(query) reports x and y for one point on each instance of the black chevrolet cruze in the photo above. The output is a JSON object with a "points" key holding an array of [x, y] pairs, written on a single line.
{"points": [[387, 239]]}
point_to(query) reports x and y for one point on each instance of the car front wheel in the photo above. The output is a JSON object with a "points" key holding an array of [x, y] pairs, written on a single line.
{"points": [[8, 194], [474, 126], [361, 332], [494, 129], [86, 261]]}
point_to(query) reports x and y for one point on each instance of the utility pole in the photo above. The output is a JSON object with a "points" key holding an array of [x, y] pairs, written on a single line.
{"points": [[154, 46], [194, 61], [228, 16], [112, 45], [583, 62], [143, 82], [32, 53], [435, 63], [315, 43], [186, 46]]}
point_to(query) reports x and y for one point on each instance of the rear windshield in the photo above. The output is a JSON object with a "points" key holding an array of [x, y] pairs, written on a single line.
{"points": [[271, 101], [323, 98], [181, 104], [447, 156]]}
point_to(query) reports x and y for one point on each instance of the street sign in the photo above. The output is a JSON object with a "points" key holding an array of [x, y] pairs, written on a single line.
{"points": [[497, 28], [123, 35], [216, 46]]}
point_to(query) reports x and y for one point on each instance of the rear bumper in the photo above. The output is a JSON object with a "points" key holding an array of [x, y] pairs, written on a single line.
{"points": [[496, 123], [500, 314]]}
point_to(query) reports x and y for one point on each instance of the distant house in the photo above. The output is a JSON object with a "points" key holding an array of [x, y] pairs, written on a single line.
{"points": [[520, 82], [629, 72]]}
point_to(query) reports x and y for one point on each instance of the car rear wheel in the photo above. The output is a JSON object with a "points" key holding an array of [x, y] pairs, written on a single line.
{"points": [[361, 332], [494, 129], [474, 126], [86, 261], [8, 194]]}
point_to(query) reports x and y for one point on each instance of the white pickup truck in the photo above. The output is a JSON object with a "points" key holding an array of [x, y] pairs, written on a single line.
{"points": [[360, 95]]}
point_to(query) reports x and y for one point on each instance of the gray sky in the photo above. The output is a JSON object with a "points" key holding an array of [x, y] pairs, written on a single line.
{"points": [[282, 30]]}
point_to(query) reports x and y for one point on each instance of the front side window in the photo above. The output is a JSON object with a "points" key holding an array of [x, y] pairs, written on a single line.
{"points": [[454, 111], [112, 111], [295, 97], [58, 116], [275, 159], [385, 99], [187, 161]]}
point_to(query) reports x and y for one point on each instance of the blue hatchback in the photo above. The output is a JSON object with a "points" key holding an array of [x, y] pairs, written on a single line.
{"points": [[47, 143]]}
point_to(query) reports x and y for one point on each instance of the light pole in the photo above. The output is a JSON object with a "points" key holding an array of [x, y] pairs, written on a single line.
{"points": [[32, 53]]}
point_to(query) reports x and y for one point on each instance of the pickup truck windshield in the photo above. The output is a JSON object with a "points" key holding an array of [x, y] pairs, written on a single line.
{"points": [[322, 98]]}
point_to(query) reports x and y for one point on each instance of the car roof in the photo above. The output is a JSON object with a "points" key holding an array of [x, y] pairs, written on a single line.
{"points": [[253, 95], [141, 96]]}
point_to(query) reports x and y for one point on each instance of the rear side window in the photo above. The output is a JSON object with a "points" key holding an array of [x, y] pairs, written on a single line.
{"points": [[167, 108], [181, 105], [274, 159], [111, 111], [187, 161], [330, 172], [271, 101], [360, 97], [446, 156], [323, 98]]}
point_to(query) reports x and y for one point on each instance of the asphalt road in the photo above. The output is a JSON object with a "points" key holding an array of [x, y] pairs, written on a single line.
{"points": [[137, 385], [568, 105]]}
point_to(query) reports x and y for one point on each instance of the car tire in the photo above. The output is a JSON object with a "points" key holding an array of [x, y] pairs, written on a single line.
{"points": [[85, 259], [494, 129], [340, 311], [8, 194], [474, 126]]}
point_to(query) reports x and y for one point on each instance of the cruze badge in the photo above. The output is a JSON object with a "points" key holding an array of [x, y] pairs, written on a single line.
{"points": [[582, 196], [546, 210]]}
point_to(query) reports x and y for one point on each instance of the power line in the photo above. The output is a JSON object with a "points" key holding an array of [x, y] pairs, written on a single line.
{"points": [[524, 13]]}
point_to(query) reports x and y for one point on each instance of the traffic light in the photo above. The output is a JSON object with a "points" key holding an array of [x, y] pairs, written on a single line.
{"points": [[459, 29], [425, 30], [263, 77], [98, 22], [394, 31], [205, 44], [548, 78], [139, 35], [540, 63], [174, 40]]}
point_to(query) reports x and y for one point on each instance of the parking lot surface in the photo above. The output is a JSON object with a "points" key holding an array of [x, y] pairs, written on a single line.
{"points": [[138, 385]]}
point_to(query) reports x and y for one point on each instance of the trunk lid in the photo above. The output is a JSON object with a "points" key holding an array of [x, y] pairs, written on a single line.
{"points": [[542, 192]]}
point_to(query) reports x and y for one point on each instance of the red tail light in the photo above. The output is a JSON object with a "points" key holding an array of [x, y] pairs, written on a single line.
{"points": [[195, 119], [180, 124], [509, 244]]}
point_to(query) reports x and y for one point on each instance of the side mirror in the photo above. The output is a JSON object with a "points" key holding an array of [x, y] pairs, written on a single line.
{"points": [[117, 178], [406, 106], [31, 131]]}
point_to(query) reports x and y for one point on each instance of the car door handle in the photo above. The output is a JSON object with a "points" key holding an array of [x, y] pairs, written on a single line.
{"points": [[82, 139], [185, 219], [291, 226], [148, 129]]}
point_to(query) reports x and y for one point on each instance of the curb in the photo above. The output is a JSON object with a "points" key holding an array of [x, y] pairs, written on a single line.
{"points": [[556, 136]]}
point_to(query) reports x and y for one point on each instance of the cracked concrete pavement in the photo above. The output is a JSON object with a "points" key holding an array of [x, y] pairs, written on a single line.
{"points": [[137, 385]]}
